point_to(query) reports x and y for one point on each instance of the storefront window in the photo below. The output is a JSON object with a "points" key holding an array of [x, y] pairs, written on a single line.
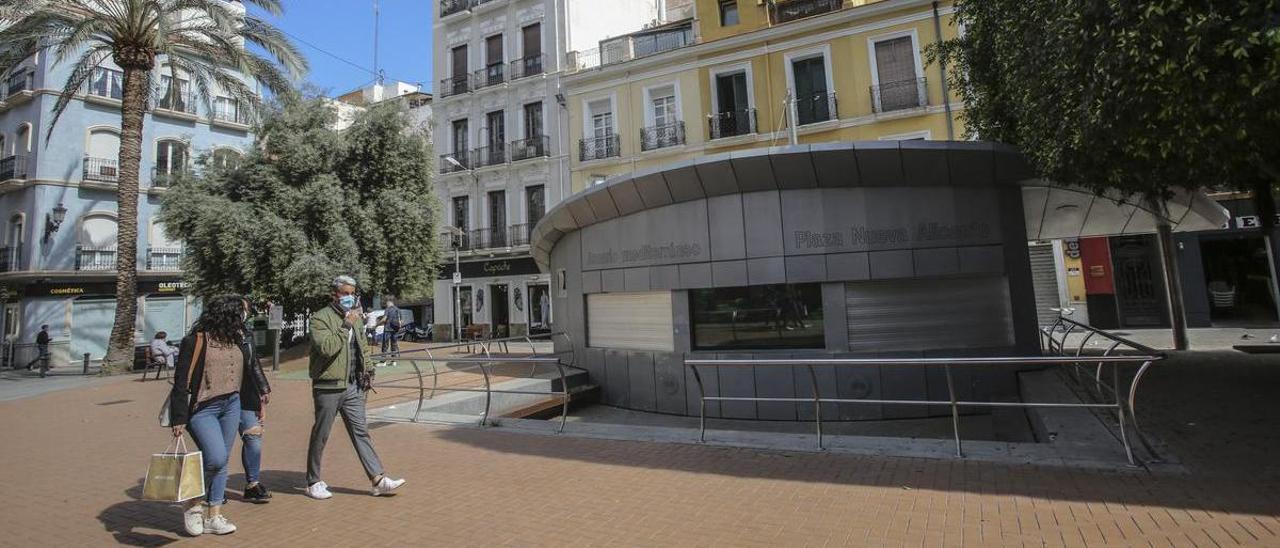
{"points": [[757, 317]]}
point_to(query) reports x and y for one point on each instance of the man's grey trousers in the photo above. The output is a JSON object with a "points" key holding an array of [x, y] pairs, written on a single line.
{"points": [[350, 403]]}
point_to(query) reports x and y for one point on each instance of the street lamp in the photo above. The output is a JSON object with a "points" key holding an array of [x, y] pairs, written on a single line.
{"points": [[455, 163], [53, 220], [455, 241]]}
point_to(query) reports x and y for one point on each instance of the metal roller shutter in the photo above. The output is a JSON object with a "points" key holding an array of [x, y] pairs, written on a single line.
{"points": [[933, 314], [630, 321], [1044, 278], [91, 322]]}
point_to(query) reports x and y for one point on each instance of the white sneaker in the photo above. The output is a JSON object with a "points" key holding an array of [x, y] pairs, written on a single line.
{"points": [[193, 520], [386, 485], [319, 491], [218, 525]]}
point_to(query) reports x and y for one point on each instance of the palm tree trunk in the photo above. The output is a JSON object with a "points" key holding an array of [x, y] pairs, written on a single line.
{"points": [[120, 350]]}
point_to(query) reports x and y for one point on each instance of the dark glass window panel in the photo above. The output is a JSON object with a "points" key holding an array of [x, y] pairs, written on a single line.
{"points": [[728, 13], [757, 317]]}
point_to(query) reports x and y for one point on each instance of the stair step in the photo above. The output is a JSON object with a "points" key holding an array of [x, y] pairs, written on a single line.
{"points": [[551, 406]]}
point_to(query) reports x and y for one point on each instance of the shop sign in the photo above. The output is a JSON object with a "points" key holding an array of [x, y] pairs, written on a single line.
{"points": [[1072, 249], [1249, 221], [491, 269], [79, 289]]}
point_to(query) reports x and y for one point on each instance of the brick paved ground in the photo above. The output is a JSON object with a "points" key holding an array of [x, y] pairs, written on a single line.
{"points": [[71, 464]]}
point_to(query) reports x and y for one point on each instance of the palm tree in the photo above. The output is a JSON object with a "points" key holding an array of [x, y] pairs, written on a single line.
{"points": [[203, 40]]}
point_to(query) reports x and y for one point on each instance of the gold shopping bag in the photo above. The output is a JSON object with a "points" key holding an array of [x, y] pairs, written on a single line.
{"points": [[175, 475]]}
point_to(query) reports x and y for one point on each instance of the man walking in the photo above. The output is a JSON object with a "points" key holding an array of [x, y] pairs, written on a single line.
{"points": [[391, 330], [339, 367], [42, 350]]}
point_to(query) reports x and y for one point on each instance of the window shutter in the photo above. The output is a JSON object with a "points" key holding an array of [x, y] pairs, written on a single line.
{"points": [[630, 321]]}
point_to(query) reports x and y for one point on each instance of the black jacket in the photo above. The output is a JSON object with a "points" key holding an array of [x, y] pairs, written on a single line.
{"points": [[189, 373]]}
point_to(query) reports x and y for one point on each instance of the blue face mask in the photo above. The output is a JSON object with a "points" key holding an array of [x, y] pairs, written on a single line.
{"points": [[347, 302]]}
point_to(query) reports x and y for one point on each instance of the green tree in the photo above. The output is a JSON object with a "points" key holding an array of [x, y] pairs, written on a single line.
{"points": [[310, 203], [1135, 97], [201, 41]]}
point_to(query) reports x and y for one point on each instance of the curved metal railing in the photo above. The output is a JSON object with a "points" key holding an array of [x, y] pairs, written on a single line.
{"points": [[485, 365], [1122, 407]]}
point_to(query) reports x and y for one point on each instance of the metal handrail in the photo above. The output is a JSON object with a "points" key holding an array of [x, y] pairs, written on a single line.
{"points": [[485, 365], [1121, 406]]}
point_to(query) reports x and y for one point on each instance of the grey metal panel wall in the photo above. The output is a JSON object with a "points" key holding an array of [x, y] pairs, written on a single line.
{"points": [[935, 314], [1044, 277]]}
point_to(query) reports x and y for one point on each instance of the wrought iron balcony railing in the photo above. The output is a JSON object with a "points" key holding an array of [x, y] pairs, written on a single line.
{"points": [[491, 75], [819, 107], [164, 178], [95, 258], [490, 155], [487, 238], [518, 235], [20, 82], [174, 102], [450, 7], [102, 170], [164, 258], [666, 135], [532, 147], [456, 85], [599, 148], [732, 123], [457, 161], [528, 66], [790, 10], [234, 114], [10, 259], [900, 95], [13, 167]]}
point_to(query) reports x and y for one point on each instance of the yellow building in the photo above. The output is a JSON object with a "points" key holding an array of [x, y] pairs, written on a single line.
{"points": [[734, 75]]}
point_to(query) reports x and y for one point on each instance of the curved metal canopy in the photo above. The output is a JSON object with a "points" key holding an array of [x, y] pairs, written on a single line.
{"points": [[1051, 211]]}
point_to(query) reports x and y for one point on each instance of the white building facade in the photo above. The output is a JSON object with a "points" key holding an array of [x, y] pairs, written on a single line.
{"points": [[499, 132]]}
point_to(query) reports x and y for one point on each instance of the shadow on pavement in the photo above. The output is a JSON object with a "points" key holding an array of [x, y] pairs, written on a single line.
{"points": [[1215, 411], [129, 521]]}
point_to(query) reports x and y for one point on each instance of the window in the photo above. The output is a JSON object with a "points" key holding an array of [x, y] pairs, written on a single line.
{"points": [[813, 100], [535, 198], [601, 138], [663, 116], [229, 110], [173, 97], [163, 252], [11, 255], [664, 107], [461, 207], [225, 158], [171, 157], [107, 83], [533, 120], [11, 321], [734, 114], [498, 218], [757, 317], [22, 145], [96, 248], [728, 13], [898, 84], [460, 141], [630, 321], [496, 123]]}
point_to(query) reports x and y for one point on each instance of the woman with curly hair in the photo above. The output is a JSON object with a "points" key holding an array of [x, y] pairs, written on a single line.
{"points": [[215, 370]]}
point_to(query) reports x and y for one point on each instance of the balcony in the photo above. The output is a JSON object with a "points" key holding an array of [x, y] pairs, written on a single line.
{"points": [[491, 75], [599, 148], [164, 259], [816, 108], [230, 114], [487, 238], [10, 259], [101, 170], [456, 85], [533, 147], [493, 155], [450, 7], [900, 95], [19, 84], [732, 123], [13, 167], [646, 43], [532, 65], [181, 104], [663, 136], [95, 258], [452, 163], [166, 177], [518, 235], [790, 10]]}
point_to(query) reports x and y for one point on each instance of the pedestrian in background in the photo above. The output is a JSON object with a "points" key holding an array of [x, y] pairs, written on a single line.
{"points": [[214, 369], [340, 375], [42, 350], [391, 329]]}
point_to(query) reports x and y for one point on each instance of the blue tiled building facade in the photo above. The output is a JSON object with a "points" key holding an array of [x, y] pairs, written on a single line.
{"points": [[58, 202]]}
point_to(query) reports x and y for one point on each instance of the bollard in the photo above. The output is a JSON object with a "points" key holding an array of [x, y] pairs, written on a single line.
{"points": [[85, 371]]}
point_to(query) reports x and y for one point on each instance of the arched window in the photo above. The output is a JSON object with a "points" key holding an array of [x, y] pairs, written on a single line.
{"points": [[164, 252], [100, 163], [97, 243], [11, 255], [226, 158], [171, 160]]}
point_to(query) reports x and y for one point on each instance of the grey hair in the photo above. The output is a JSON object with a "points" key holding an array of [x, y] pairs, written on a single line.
{"points": [[343, 280]]}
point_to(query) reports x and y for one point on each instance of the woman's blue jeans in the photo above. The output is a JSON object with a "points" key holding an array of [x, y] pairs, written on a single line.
{"points": [[251, 449], [214, 426]]}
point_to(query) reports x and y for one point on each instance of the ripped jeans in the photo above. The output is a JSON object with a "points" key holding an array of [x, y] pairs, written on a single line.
{"points": [[251, 448]]}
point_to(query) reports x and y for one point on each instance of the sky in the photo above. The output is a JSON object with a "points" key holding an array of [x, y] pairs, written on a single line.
{"points": [[344, 29]]}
